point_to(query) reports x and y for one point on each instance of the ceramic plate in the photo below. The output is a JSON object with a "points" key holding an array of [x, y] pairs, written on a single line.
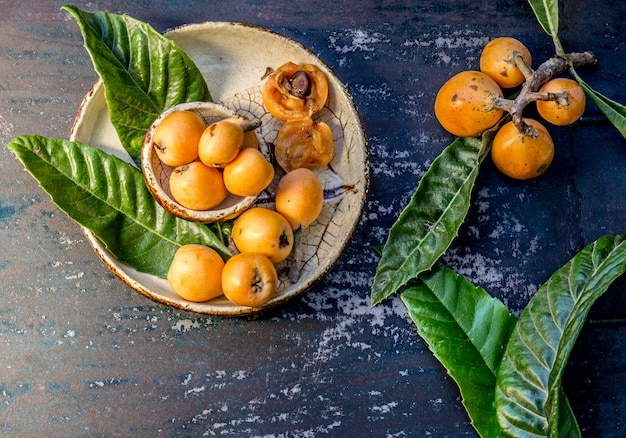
{"points": [[234, 59]]}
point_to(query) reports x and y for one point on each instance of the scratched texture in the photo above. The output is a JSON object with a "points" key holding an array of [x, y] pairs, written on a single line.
{"points": [[83, 355]]}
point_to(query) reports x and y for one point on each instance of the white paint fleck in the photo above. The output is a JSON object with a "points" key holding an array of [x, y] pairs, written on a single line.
{"points": [[534, 245], [331, 340], [240, 375], [373, 93], [67, 240], [436, 403], [195, 390], [482, 200], [184, 325], [6, 129], [446, 44], [477, 266], [384, 409], [361, 345], [342, 61], [292, 392], [355, 40], [76, 276]]}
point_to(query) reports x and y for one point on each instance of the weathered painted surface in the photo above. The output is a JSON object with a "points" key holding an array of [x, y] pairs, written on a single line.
{"points": [[81, 354]]}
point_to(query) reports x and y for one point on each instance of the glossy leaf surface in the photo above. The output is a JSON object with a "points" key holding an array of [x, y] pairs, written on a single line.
{"points": [[466, 330], [614, 111], [547, 13], [109, 197], [428, 224], [529, 378], [143, 72]]}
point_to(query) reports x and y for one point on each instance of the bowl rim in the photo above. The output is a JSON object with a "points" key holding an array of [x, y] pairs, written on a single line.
{"points": [[157, 190]]}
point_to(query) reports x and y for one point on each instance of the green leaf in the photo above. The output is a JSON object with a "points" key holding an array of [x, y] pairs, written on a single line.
{"points": [[529, 378], [109, 197], [615, 112], [547, 13], [428, 224], [143, 72], [567, 424], [466, 330]]}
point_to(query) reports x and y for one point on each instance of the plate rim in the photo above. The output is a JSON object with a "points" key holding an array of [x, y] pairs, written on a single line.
{"points": [[115, 266]]}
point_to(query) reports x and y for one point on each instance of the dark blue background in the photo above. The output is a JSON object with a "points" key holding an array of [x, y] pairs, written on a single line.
{"points": [[81, 354]]}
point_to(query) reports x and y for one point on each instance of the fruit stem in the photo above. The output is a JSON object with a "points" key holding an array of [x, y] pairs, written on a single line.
{"points": [[529, 92], [561, 98], [503, 104], [520, 62], [251, 125]]}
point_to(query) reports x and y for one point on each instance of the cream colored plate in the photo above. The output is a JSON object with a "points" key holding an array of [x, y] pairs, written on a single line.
{"points": [[234, 58]]}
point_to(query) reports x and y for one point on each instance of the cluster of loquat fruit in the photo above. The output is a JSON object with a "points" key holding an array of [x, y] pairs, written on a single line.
{"points": [[209, 161], [471, 102], [223, 157]]}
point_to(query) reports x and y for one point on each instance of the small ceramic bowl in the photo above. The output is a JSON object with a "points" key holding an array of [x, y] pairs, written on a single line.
{"points": [[157, 174]]}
